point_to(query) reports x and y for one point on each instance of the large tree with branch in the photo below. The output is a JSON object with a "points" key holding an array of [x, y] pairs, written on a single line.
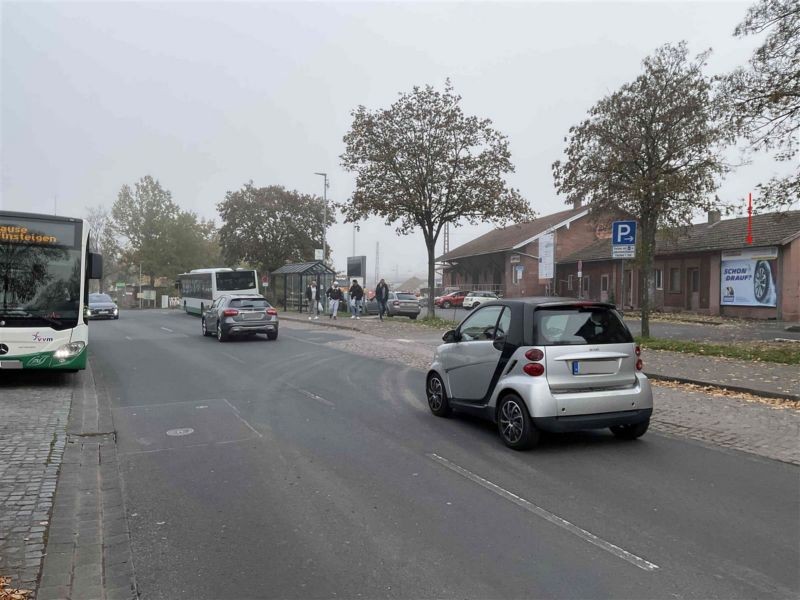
{"points": [[651, 149], [763, 99], [422, 163]]}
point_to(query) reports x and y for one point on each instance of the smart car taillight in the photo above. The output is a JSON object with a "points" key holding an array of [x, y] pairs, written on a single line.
{"points": [[534, 369], [638, 351], [230, 312], [639, 364], [534, 354]]}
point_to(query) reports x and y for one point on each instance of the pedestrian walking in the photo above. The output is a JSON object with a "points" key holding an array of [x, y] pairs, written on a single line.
{"points": [[356, 295], [382, 297], [335, 296], [312, 295]]}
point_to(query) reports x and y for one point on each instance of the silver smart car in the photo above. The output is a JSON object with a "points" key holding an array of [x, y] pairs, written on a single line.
{"points": [[542, 364]]}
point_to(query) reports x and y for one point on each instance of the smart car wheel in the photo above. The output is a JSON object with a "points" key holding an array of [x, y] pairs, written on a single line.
{"points": [[437, 396], [630, 432], [515, 425], [761, 281]]}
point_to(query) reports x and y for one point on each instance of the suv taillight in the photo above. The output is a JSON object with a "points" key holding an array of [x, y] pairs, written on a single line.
{"points": [[230, 312], [272, 311], [395, 303]]}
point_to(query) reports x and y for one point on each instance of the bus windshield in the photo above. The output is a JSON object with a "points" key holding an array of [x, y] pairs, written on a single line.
{"points": [[228, 281], [40, 279]]}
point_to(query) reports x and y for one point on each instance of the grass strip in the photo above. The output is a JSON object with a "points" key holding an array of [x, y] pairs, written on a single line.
{"points": [[776, 352]]}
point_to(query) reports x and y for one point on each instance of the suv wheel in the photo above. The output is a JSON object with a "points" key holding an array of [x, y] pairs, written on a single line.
{"points": [[203, 327], [630, 432], [514, 423], [445, 305], [437, 396], [221, 335]]}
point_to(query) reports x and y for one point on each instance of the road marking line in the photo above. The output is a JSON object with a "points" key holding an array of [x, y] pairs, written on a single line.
{"points": [[239, 416], [168, 329], [232, 357], [187, 447], [127, 337], [547, 515]]}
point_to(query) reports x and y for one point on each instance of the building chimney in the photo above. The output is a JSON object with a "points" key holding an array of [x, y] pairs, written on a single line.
{"points": [[576, 204], [714, 216]]}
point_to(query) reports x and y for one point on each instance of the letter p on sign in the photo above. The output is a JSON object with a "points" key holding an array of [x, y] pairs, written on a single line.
{"points": [[623, 232]]}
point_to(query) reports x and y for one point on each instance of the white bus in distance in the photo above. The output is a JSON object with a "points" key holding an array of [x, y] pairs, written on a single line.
{"points": [[200, 287]]}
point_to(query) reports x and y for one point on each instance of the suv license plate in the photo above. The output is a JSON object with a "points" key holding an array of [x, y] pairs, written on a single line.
{"points": [[575, 367]]}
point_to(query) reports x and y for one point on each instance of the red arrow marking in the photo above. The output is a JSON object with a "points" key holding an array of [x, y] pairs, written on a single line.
{"points": [[750, 218]]}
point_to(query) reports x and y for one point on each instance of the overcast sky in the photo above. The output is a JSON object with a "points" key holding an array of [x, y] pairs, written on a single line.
{"points": [[207, 96]]}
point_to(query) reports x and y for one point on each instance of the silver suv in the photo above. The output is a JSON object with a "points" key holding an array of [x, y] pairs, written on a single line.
{"points": [[240, 315], [542, 364]]}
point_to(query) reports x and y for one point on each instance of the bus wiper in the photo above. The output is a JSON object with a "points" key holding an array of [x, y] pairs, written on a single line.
{"points": [[21, 314]]}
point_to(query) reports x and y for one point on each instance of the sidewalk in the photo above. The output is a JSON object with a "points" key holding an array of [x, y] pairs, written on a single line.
{"points": [[771, 380]]}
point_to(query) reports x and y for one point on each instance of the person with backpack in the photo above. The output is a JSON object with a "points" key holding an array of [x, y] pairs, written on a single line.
{"points": [[356, 295], [335, 296], [382, 297]]}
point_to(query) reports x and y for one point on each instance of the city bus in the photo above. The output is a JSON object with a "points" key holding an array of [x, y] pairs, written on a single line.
{"points": [[45, 265], [200, 287]]}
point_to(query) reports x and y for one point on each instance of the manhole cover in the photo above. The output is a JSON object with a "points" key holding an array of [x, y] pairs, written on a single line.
{"points": [[181, 431]]}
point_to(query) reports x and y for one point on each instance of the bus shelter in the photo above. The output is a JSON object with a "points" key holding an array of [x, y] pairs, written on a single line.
{"points": [[290, 281]]}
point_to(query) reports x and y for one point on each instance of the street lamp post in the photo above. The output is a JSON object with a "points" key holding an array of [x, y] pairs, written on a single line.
{"points": [[324, 214]]}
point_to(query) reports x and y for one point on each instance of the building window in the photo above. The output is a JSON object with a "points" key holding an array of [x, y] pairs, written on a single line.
{"points": [[604, 283], [569, 282], [657, 278], [585, 284], [674, 280], [516, 274]]}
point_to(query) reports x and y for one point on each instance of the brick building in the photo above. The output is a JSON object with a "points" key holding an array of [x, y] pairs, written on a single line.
{"points": [[706, 268], [503, 260]]}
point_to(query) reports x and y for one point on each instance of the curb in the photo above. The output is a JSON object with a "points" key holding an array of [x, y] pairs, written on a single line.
{"points": [[328, 323], [730, 388]]}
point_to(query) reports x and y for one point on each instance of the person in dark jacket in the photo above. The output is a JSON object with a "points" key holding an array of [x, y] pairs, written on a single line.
{"points": [[382, 297], [356, 295], [312, 295], [335, 296]]}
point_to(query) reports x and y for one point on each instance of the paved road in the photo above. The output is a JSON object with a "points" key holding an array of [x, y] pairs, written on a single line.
{"points": [[314, 473]]}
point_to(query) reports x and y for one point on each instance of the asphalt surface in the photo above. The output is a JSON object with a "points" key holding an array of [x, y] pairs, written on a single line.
{"points": [[312, 473]]}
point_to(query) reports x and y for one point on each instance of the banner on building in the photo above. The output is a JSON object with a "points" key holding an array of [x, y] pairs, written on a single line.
{"points": [[749, 277], [546, 255]]}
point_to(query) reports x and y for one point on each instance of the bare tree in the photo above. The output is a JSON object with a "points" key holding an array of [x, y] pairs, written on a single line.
{"points": [[763, 99], [651, 149], [422, 163]]}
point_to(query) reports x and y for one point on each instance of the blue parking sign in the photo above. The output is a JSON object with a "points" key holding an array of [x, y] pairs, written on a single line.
{"points": [[623, 233]]}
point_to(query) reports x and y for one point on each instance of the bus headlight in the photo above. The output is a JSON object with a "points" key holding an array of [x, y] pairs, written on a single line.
{"points": [[68, 351]]}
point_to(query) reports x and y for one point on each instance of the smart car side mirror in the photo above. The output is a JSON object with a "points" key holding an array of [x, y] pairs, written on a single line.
{"points": [[450, 336]]}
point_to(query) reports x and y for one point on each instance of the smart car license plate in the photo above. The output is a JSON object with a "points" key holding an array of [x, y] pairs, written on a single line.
{"points": [[576, 367]]}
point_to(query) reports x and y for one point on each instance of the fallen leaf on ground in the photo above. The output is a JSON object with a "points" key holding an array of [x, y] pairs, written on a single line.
{"points": [[9, 593]]}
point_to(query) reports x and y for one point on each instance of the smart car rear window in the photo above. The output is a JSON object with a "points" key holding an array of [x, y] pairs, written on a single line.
{"points": [[577, 326]]}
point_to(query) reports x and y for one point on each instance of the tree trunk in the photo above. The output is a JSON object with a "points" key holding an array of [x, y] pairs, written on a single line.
{"points": [[431, 245], [648, 255]]}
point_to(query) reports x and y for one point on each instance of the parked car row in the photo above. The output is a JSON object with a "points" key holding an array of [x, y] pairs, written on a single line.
{"points": [[465, 299]]}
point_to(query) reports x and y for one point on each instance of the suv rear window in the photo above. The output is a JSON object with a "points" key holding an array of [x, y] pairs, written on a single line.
{"points": [[579, 326], [406, 297], [248, 303]]}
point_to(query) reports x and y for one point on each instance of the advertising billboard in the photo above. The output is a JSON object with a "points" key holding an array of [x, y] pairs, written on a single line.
{"points": [[749, 277], [356, 266], [546, 255]]}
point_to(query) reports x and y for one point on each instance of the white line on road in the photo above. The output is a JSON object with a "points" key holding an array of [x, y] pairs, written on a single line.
{"points": [[127, 337], [168, 329], [239, 416], [547, 515], [312, 395]]}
